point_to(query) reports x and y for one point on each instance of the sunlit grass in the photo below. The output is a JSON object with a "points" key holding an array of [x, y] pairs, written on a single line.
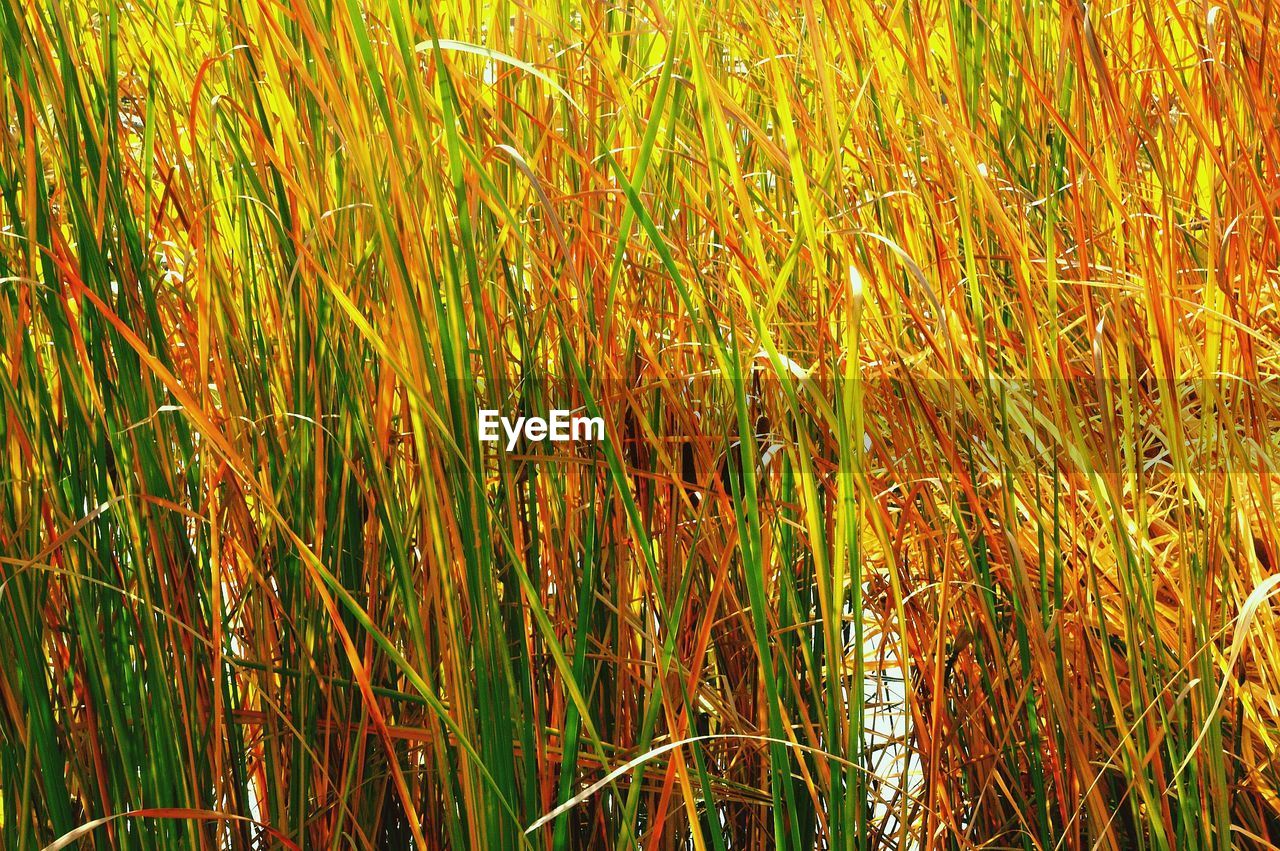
{"points": [[936, 344]]}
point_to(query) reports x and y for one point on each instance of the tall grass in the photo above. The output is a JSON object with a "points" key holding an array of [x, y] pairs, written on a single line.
{"points": [[936, 343]]}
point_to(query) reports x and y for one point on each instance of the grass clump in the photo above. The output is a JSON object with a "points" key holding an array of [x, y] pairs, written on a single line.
{"points": [[935, 342]]}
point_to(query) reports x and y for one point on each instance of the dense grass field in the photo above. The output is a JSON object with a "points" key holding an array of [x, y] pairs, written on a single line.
{"points": [[936, 343]]}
